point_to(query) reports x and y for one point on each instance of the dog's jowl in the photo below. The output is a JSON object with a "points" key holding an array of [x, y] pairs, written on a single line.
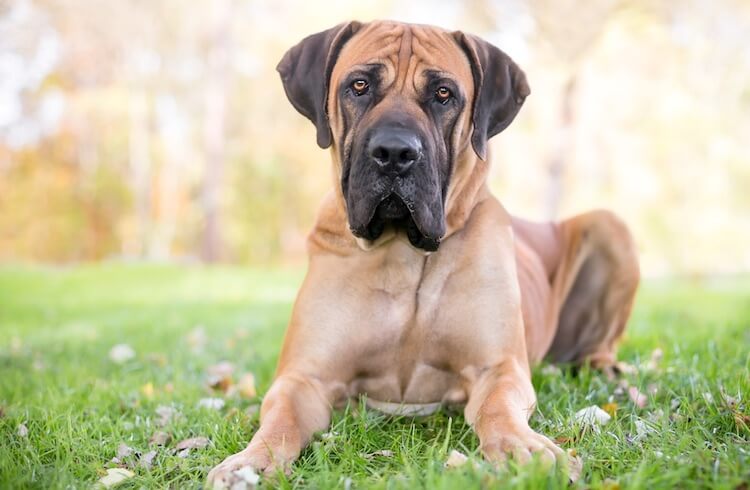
{"points": [[421, 289]]}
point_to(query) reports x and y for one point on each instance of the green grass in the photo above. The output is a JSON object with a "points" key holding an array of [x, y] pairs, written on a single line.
{"points": [[58, 325]]}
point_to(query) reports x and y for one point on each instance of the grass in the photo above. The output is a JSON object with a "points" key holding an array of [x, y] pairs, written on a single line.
{"points": [[58, 325]]}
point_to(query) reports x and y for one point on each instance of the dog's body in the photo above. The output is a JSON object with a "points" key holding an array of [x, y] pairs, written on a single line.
{"points": [[421, 289]]}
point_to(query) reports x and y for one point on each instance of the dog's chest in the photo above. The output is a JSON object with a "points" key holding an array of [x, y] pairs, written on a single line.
{"points": [[435, 328]]}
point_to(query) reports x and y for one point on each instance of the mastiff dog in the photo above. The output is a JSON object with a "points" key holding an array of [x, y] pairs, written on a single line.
{"points": [[422, 290]]}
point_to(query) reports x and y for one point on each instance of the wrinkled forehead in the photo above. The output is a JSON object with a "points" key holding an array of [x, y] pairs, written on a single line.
{"points": [[404, 55]]}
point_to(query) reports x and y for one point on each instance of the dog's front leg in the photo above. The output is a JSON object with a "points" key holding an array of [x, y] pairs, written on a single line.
{"points": [[500, 403], [295, 407]]}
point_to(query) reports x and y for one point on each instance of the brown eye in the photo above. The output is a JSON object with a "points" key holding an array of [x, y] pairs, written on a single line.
{"points": [[443, 94], [360, 87]]}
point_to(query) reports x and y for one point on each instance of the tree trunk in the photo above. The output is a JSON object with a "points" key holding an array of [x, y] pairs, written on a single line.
{"points": [[562, 150], [213, 131]]}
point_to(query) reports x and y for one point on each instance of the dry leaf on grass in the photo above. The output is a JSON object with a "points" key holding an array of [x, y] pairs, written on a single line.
{"points": [[183, 447], [115, 476], [166, 415], [551, 370], [456, 459], [123, 451], [592, 415], [610, 408], [610, 485], [211, 403], [247, 478], [160, 438], [575, 466], [147, 460], [642, 430], [246, 386], [386, 453], [637, 397], [121, 353], [219, 376], [655, 360]]}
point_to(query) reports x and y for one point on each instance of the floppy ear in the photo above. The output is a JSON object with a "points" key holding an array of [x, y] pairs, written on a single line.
{"points": [[500, 88], [306, 72]]}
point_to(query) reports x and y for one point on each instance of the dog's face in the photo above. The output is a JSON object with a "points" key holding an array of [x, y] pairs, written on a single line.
{"points": [[401, 103]]}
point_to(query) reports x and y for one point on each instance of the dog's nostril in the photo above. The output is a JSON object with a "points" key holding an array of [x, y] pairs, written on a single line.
{"points": [[407, 156], [381, 154]]}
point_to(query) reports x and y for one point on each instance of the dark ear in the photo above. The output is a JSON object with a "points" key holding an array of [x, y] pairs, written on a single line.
{"points": [[500, 88], [306, 71]]}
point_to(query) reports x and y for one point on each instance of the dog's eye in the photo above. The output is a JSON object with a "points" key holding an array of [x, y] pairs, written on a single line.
{"points": [[360, 87], [443, 94]]}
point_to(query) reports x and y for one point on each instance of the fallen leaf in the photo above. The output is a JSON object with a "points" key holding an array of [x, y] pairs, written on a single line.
{"points": [[562, 440], [160, 438], [248, 476], [147, 460], [193, 443], [742, 421], [121, 353], [625, 368], [575, 466], [456, 459], [655, 359], [220, 376], [637, 397], [166, 415], [610, 408], [123, 451], [211, 403], [246, 386], [610, 485], [22, 430], [148, 390], [386, 453], [642, 430], [592, 415], [730, 401], [551, 370], [115, 476]]}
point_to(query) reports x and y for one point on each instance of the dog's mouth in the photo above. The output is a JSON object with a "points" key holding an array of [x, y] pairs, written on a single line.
{"points": [[393, 211]]}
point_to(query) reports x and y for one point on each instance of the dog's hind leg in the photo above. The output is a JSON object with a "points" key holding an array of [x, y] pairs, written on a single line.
{"points": [[593, 289]]}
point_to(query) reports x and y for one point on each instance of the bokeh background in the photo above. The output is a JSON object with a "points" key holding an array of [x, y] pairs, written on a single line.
{"points": [[145, 130]]}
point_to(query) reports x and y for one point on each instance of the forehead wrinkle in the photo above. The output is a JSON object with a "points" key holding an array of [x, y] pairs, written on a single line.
{"points": [[404, 59]]}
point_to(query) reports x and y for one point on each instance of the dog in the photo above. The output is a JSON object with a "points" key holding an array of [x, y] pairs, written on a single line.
{"points": [[421, 289]]}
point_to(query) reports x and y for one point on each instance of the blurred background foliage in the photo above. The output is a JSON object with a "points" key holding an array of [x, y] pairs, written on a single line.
{"points": [[158, 130]]}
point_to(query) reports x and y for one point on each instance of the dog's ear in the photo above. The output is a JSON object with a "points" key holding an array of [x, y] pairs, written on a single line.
{"points": [[306, 72], [500, 88]]}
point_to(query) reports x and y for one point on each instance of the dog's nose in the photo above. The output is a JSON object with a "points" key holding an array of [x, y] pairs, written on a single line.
{"points": [[394, 150]]}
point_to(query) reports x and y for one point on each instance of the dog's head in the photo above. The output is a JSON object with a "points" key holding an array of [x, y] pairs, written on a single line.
{"points": [[400, 104]]}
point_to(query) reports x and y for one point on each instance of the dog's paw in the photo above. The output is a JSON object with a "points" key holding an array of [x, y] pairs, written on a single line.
{"points": [[243, 470], [521, 446]]}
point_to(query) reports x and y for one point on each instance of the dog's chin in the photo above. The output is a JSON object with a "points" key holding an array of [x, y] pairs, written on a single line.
{"points": [[391, 217]]}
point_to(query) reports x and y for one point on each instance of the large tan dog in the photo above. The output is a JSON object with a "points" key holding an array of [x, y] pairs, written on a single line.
{"points": [[421, 289]]}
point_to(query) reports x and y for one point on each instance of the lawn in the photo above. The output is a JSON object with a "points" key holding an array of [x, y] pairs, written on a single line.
{"points": [[77, 406]]}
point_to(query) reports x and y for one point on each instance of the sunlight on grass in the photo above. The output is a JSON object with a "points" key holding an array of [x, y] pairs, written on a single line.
{"points": [[57, 327]]}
